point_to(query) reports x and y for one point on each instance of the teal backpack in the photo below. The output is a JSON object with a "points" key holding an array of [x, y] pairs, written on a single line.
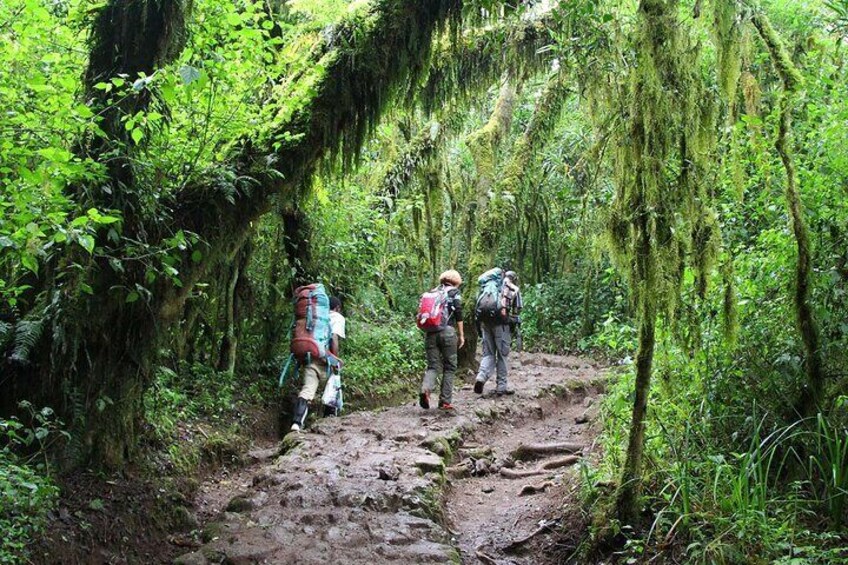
{"points": [[489, 304]]}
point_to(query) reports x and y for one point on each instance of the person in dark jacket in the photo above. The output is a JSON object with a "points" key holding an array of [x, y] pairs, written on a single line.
{"points": [[497, 336]]}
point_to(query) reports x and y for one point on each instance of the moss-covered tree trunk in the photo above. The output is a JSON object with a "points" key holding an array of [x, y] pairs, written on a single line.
{"points": [[484, 145], [813, 393], [627, 502], [228, 353], [660, 199], [90, 356]]}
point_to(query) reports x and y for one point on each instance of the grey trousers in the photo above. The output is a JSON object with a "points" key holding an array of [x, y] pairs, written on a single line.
{"points": [[496, 344], [441, 349]]}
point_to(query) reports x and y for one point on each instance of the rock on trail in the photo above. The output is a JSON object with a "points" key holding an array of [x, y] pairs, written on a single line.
{"points": [[371, 487]]}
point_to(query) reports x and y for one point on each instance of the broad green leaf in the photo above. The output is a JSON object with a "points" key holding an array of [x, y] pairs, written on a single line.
{"points": [[87, 242]]}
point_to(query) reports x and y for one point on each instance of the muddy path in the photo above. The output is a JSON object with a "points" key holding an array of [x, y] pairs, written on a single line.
{"points": [[406, 485]]}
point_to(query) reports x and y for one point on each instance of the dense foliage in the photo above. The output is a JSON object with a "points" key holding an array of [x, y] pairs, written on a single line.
{"points": [[667, 177]]}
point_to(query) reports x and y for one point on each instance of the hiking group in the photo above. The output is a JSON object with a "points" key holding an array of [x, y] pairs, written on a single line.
{"points": [[318, 326], [496, 313]]}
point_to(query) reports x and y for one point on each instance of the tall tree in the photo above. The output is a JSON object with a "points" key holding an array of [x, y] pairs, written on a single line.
{"points": [[791, 81], [658, 215], [90, 355]]}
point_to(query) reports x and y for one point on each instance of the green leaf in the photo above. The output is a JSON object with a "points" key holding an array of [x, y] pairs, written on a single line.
{"points": [[196, 256], [189, 74], [87, 242], [56, 154], [80, 221], [29, 262], [137, 135], [132, 297]]}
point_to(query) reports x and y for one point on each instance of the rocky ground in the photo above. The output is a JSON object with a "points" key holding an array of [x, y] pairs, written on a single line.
{"points": [[485, 484]]}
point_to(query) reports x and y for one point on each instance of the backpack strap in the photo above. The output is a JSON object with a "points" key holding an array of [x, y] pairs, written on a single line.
{"points": [[310, 314], [449, 302], [286, 368]]}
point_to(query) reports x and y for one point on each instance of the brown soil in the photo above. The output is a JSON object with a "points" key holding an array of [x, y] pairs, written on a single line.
{"points": [[388, 486], [141, 514], [517, 520]]}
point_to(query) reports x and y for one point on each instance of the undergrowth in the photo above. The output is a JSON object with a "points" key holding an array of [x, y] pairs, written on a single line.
{"points": [[771, 492], [384, 356], [197, 415], [27, 490]]}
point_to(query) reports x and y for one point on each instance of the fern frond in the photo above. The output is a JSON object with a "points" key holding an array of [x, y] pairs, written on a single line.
{"points": [[6, 333], [27, 334]]}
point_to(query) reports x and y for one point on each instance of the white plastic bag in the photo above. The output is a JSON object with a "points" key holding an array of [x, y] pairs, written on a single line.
{"points": [[333, 392]]}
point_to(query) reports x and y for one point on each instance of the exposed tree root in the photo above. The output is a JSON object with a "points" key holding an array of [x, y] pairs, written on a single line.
{"points": [[486, 558], [538, 450], [560, 462], [544, 527], [534, 489], [513, 474], [461, 471]]}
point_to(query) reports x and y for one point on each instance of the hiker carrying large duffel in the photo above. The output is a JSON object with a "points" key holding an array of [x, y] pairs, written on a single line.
{"points": [[314, 346], [497, 311], [440, 318]]}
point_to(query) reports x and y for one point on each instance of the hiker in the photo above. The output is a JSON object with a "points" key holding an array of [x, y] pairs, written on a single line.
{"points": [[440, 317], [498, 311], [317, 370]]}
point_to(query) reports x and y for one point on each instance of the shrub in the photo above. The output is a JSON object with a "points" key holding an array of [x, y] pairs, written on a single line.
{"points": [[26, 495], [381, 358]]}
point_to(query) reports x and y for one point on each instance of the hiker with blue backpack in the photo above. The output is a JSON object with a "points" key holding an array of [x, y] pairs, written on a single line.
{"points": [[440, 318], [318, 328], [497, 312]]}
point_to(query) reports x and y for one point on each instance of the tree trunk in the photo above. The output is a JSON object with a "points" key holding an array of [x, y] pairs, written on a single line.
{"points": [[627, 504], [89, 356], [484, 144], [813, 393], [587, 317], [229, 343]]}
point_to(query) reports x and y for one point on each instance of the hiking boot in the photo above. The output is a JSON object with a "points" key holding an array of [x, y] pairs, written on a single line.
{"points": [[478, 387], [329, 411], [424, 400], [301, 409], [507, 392], [445, 406]]}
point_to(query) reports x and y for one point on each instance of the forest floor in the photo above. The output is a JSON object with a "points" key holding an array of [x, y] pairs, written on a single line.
{"points": [[406, 485]]}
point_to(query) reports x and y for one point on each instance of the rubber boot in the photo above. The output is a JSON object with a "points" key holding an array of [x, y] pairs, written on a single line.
{"points": [[301, 409]]}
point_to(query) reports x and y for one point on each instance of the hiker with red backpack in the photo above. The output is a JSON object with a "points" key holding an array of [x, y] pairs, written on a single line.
{"points": [[318, 327], [497, 312], [440, 317]]}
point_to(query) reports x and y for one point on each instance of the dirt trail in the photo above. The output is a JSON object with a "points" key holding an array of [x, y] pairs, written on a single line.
{"points": [[401, 484]]}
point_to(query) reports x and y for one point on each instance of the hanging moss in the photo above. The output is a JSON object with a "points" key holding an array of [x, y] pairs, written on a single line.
{"points": [[813, 393], [661, 212], [726, 28], [417, 154], [751, 94], [470, 63], [786, 69], [540, 128], [485, 142]]}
